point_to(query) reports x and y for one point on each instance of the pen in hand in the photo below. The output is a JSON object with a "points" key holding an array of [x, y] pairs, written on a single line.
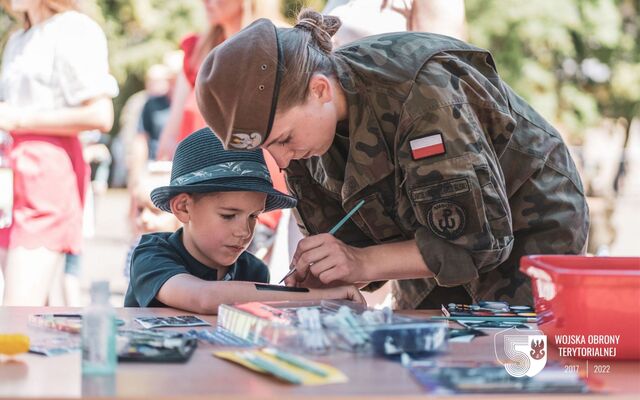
{"points": [[331, 232]]}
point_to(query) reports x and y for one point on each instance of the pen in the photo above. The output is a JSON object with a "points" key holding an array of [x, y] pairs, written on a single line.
{"points": [[67, 315], [296, 362], [270, 367], [488, 318], [331, 232]]}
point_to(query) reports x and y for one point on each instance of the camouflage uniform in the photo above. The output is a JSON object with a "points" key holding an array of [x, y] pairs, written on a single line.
{"points": [[504, 186]]}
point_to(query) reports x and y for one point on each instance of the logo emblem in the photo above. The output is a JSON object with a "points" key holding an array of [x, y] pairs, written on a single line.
{"points": [[446, 219], [245, 141], [521, 353]]}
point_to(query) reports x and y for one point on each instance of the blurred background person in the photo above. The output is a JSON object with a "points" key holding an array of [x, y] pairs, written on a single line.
{"points": [[159, 85], [362, 18], [144, 172], [145, 216], [446, 17], [54, 83], [136, 139]]}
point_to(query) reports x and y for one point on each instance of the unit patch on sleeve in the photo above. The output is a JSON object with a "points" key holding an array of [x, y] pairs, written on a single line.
{"points": [[427, 146], [446, 219]]}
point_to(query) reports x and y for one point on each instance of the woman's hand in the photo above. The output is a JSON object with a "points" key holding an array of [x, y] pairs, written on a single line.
{"points": [[95, 113], [166, 147], [323, 260]]}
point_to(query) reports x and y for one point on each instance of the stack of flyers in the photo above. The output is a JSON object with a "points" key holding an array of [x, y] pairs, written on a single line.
{"points": [[489, 309], [489, 314], [55, 346], [71, 323], [449, 377]]}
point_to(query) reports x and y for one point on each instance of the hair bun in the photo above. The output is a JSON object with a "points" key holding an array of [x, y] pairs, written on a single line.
{"points": [[322, 27]]}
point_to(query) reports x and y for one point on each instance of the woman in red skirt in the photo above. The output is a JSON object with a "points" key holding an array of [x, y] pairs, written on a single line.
{"points": [[54, 84]]}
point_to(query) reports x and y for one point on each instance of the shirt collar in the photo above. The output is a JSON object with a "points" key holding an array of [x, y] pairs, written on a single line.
{"points": [[365, 165], [195, 267]]}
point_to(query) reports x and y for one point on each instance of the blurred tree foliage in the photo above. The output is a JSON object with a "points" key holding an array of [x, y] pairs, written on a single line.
{"points": [[6, 25], [576, 61], [290, 8]]}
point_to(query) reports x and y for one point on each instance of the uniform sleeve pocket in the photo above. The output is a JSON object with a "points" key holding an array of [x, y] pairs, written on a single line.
{"points": [[456, 199], [493, 203]]}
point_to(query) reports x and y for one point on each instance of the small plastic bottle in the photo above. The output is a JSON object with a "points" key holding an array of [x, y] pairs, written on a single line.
{"points": [[6, 181], [99, 333]]}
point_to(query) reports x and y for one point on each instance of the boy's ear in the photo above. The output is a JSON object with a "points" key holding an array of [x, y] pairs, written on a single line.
{"points": [[320, 88], [180, 205]]}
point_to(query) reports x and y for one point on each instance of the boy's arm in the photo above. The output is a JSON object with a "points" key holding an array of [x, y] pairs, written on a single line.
{"points": [[193, 294]]}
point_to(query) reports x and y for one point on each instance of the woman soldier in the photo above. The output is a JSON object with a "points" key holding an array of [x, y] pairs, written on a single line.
{"points": [[459, 175]]}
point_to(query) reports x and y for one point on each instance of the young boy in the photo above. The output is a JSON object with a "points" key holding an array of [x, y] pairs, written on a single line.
{"points": [[217, 195]]}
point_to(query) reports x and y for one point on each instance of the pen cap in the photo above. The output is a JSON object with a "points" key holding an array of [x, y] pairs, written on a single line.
{"points": [[100, 292]]}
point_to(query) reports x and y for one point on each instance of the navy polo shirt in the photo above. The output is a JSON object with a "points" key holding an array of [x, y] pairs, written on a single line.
{"points": [[159, 256]]}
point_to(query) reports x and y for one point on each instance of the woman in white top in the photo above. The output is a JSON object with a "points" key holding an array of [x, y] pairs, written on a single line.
{"points": [[54, 83]]}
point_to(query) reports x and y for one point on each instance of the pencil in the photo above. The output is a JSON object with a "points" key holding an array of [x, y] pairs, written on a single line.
{"points": [[331, 232], [270, 367], [296, 362]]}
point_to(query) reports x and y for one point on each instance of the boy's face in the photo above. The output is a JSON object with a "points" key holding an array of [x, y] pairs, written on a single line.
{"points": [[219, 226]]}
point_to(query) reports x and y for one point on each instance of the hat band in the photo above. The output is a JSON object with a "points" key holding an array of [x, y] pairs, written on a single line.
{"points": [[276, 86], [244, 169]]}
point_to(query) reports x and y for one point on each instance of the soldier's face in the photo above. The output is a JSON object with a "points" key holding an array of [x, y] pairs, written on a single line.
{"points": [[305, 130]]}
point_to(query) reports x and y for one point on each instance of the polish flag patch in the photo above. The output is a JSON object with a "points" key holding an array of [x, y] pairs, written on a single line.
{"points": [[427, 146]]}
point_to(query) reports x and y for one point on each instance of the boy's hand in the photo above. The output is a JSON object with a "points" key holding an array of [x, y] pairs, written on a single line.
{"points": [[350, 292]]}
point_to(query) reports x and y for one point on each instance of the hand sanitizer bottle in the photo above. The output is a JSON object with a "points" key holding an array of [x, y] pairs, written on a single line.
{"points": [[99, 333]]}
